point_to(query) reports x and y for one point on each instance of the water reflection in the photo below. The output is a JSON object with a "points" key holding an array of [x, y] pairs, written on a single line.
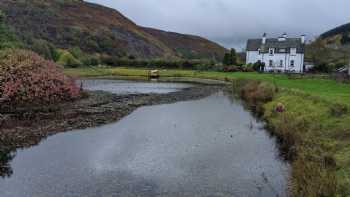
{"points": [[127, 87], [208, 147], [5, 167], [121, 87]]}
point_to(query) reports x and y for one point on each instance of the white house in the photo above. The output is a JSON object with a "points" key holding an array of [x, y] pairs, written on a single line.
{"points": [[281, 54]]}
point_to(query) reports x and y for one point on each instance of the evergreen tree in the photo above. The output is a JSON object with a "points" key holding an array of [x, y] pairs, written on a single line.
{"points": [[2, 17], [233, 56], [230, 58], [227, 59]]}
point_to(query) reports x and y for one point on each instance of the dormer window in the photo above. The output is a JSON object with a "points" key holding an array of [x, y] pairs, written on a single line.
{"points": [[271, 51], [293, 51], [281, 39]]}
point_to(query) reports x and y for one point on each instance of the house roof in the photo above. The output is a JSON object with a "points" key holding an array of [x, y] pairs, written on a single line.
{"points": [[255, 44]]}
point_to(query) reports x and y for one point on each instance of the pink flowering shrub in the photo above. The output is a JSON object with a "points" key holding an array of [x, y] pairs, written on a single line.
{"points": [[27, 78]]}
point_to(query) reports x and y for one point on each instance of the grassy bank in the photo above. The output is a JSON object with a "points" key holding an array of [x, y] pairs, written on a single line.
{"points": [[314, 129], [314, 136]]}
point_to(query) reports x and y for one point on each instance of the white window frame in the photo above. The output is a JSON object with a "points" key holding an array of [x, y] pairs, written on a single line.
{"points": [[270, 63], [281, 63], [271, 51]]}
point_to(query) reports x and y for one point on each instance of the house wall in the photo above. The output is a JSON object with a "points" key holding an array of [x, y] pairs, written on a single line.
{"points": [[254, 56]]}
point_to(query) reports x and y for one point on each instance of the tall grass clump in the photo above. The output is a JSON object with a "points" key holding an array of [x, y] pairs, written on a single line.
{"points": [[26, 78], [256, 93]]}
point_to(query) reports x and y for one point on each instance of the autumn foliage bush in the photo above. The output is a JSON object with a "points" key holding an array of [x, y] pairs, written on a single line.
{"points": [[27, 78]]}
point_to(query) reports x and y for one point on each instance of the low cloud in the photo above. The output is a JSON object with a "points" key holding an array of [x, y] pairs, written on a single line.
{"points": [[232, 22]]}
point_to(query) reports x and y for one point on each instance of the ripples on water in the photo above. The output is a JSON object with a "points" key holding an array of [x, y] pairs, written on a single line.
{"points": [[207, 147]]}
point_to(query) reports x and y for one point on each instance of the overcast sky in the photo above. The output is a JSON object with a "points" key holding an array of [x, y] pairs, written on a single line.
{"points": [[232, 22]]}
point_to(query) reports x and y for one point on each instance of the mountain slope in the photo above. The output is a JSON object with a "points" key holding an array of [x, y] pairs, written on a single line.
{"points": [[331, 49], [93, 28], [188, 46], [338, 36]]}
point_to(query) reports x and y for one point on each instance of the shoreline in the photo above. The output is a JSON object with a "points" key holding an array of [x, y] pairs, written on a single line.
{"points": [[23, 130], [317, 154]]}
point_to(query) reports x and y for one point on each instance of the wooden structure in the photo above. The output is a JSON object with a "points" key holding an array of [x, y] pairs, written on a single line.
{"points": [[153, 74]]}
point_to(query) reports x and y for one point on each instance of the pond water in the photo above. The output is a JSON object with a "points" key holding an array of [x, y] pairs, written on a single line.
{"points": [[207, 147], [125, 87]]}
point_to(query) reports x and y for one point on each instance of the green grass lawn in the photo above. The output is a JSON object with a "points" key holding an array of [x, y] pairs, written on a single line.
{"points": [[327, 89]]}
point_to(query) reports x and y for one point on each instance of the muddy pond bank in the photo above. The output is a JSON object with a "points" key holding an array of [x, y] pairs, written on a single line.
{"points": [[22, 128]]}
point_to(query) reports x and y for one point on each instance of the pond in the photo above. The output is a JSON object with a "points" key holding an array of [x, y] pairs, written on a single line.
{"points": [[125, 87], [207, 147]]}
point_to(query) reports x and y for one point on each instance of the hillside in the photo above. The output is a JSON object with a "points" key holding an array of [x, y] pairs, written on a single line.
{"points": [[331, 50], [188, 46], [339, 35], [96, 29]]}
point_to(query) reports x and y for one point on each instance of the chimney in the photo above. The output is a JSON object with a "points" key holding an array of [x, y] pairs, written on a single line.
{"points": [[264, 38], [285, 35], [302, 39]]}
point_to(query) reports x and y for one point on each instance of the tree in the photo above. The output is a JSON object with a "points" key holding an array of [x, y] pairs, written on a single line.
{"points": [[8, 38], [233, 56], [345, 38], [66, 59], [230, 58], [43, 48], [227, 59], [76, 52], [2, 17]]}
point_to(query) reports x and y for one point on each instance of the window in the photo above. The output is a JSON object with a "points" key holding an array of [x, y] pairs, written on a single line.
{"points": [[292, 63], [271, 63], [259, 50], [281, 63], [271, 51], [293, 51]]}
